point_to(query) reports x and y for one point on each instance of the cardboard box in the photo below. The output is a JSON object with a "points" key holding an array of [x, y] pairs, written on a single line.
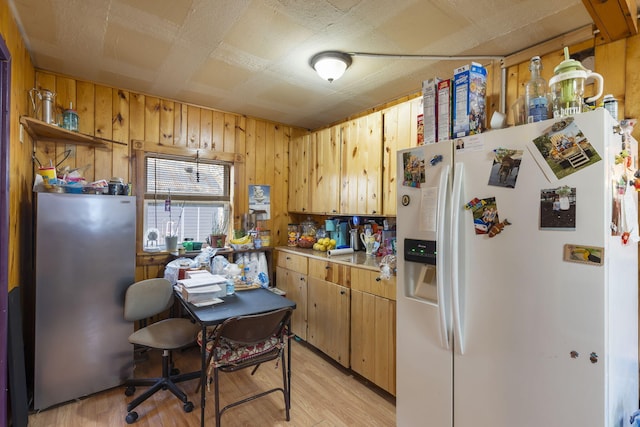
{"points": [[443, 121], [429, 105], [469, 99]]}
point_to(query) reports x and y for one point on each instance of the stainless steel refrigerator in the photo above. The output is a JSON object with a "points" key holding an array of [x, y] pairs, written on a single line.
{"points": [[84, 262]]}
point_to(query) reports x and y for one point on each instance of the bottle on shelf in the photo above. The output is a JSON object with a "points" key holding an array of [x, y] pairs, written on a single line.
{"points": [[535, 92]]}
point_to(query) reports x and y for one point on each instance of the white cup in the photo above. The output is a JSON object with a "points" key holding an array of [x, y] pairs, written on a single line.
{"points": [[498, 120]]}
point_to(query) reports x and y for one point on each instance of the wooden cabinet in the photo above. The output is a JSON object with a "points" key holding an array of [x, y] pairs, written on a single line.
{"points": [[361, 166], [299, 174], [295, 285], [373, 328], [328, 321], [400, 131], [291, 277], [324, 187]]}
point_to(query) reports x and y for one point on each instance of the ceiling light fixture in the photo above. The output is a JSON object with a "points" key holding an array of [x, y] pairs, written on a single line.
{"points": [[330, 65]]}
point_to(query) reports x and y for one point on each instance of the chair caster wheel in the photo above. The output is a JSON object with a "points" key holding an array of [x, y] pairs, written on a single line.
{"points": [[188, 407], [175, 371], [129, 391], [132, 417]]}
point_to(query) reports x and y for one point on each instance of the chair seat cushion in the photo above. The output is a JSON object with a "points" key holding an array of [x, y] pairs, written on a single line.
{"points": [[231, 353], [167, 334]]}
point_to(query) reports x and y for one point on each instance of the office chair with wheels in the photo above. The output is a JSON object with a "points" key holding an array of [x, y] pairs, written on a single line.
{"points": [[247, 341], [145, 299]]}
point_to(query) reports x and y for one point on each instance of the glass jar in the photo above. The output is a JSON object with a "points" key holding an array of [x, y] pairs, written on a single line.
{"points": [[293, 233], [265, 236], [307, 234]]}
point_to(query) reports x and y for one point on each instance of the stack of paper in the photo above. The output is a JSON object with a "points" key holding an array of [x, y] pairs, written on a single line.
{"points": [[202, 287]]}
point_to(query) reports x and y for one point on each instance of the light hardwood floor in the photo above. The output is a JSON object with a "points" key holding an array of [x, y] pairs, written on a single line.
{"points": [[322, 394]]}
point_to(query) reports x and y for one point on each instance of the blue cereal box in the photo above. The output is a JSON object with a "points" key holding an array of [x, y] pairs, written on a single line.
{"points": [[469, 99]]}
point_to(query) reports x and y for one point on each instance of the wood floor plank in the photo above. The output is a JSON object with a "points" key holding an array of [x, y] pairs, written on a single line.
{"points": [[323, 395]]}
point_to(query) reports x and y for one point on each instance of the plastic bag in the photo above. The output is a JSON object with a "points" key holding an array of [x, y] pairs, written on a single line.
{"points": [[172, 269], [219, 264]]}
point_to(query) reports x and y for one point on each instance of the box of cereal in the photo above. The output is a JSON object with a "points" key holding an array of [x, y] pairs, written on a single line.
{"points": [[444, 110], [469, 99], [429, 104]]}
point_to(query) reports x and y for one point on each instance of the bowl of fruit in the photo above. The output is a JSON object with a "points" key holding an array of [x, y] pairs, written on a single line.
{"points": [[324, 244], [306, 242]]}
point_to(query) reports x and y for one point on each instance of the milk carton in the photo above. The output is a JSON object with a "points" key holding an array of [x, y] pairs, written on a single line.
{"points": [[444, 110], [469, 104]]}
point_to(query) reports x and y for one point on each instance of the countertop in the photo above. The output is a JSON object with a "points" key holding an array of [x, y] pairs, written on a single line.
{"points": [[356, 259]]}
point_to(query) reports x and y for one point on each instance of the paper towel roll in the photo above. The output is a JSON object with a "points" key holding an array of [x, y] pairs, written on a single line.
{"points": [[345, 251]]}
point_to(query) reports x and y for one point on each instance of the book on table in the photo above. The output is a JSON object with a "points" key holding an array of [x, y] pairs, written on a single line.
{"points": [[202, 287]]}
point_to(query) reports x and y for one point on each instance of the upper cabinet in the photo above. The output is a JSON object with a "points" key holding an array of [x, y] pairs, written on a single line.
{"points": [[325, 171], [361, 171], [299, 174], [400, 131]]}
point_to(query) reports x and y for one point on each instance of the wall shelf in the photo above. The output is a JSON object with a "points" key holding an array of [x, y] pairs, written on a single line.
{"points": [[41, 131]]}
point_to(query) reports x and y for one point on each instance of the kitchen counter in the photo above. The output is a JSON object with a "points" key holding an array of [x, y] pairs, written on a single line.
{"points": [[356, 259]]}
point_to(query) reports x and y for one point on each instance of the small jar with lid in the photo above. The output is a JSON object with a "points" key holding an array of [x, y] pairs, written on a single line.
{"points": [[307, 234], [70, 119], [293, 233], [265, 236]]}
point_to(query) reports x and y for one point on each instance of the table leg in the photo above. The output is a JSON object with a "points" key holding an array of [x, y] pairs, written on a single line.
{"points": [[289, 361], [203, 373]]}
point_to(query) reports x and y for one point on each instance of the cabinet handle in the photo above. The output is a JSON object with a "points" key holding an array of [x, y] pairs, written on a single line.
{"points": [[373, 211], [326, 267], [288, 258], [378, 279], [343, 292]]}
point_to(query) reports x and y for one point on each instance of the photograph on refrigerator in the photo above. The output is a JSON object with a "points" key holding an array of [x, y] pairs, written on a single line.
{"points": [[562, 150], [558, 208], [505, 168], [413, 163], [583, 254]]}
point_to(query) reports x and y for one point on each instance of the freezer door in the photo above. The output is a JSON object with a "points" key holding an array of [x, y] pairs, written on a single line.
{"points": [[85, 260], [424, 383]]}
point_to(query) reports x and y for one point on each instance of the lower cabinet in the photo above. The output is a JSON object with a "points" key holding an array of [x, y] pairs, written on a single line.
{"points": [[373, 328], [295, 285], [328, 319]]}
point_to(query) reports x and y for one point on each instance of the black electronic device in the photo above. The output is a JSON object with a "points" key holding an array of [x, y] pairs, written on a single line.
{"points": [[422, 251]]}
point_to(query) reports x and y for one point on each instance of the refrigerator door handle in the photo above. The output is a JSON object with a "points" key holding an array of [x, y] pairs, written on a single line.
{"points": [[441, 235], [456, 296]]}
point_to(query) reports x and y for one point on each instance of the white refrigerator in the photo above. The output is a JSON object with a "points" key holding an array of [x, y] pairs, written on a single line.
{"points": [[517, 294]]}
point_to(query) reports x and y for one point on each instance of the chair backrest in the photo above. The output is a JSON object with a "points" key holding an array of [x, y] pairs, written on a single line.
{"points": [[147, 298], [255, 328]]}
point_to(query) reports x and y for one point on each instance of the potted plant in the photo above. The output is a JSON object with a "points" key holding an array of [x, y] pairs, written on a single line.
{"points": [[219, 227]]}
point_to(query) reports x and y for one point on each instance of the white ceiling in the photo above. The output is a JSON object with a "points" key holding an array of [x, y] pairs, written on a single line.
{"points": [[252, 57]]}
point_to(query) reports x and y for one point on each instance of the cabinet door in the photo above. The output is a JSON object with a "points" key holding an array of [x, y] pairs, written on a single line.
{"points": [[295, 285], [373, 339], [328, 319], [330, 271], [361, 172], [324, 187], [400, 131], [299, 174]]}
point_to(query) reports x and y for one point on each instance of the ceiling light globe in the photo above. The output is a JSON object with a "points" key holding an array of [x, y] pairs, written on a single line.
{"points": [[330, 65]]}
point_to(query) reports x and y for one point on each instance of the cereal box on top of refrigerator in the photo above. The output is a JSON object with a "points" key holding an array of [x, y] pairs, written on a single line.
{"points": [[469, 99]]}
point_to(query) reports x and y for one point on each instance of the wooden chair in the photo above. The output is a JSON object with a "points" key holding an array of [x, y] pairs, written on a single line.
{"points": [[248, 341], [145, 299]]}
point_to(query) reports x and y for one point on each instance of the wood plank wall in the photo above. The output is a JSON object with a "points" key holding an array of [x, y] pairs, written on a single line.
{"points": [[258, 147], [20, 177]]}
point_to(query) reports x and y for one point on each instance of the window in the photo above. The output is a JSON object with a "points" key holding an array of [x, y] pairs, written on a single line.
{"points": [[183, 197]]}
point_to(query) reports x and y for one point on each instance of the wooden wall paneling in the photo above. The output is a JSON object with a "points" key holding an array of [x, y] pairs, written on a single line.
{"points": [[85, 104], [180, 114], [610, 63], [136, 117], [260, 154], [104, 129], [65, 98], [242, 196], [218, 129], [279, 217], [120, 122], [193, 126], [266, 166], [45, 151], [206, 130], [239, 171], [632, 87], [152, 119], [167, 122], [228, 137]]}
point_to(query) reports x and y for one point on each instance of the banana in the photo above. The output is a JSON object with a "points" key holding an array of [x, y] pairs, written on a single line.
{"points": [[242, 240]]}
